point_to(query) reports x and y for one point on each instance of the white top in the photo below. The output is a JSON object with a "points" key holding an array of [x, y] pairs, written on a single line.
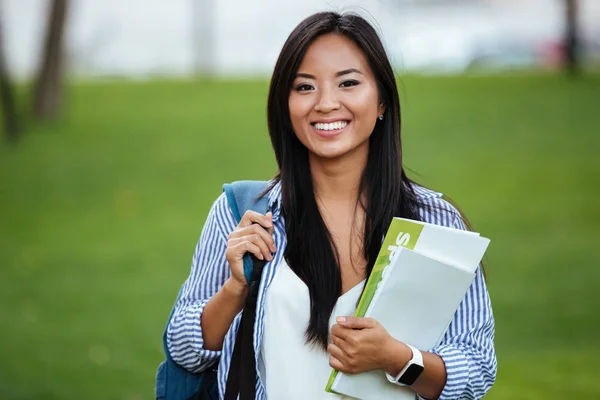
{"points": [[290, 368]]}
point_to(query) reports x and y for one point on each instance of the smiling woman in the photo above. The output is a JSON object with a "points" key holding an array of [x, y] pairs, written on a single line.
{"points": [[334, 103], [334, 123]]}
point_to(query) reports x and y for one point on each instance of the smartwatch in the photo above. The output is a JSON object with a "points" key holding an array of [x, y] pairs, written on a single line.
{"points": [[411, 370]]}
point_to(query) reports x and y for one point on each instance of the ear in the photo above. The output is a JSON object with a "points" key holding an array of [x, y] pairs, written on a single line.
{"points": [[381, 109]]}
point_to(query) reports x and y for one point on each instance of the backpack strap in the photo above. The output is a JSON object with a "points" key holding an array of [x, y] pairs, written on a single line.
{"points": [[241, 197], [241, 377]]}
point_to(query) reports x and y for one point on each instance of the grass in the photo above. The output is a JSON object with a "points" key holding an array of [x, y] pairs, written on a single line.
{"points": [[99, 214]]}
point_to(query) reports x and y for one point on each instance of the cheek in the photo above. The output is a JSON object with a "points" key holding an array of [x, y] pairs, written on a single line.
{"points": [[364, 106], [368, 104], [300, 107], [365, 115]]}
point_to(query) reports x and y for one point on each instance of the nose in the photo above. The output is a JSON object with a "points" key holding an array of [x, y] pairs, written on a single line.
{"points": [[327, 101]]}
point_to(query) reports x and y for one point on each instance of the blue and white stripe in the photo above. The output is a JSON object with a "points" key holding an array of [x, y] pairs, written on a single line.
{"points": [[467, 348]]}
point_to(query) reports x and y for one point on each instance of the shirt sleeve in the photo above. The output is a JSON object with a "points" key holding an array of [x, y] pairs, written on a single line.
{"points": [[467, 348], [208, 273]]}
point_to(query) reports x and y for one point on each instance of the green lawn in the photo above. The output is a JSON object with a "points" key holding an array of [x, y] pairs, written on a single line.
{"points": [[99, 215]]}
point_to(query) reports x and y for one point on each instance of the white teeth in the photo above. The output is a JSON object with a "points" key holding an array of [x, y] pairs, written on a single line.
{"points": [[331, 126]]}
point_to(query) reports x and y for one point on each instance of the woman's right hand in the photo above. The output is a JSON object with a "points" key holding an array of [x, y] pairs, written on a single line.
{"points": [[254, 234]]}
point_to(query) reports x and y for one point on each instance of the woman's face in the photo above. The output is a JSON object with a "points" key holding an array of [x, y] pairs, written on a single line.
{"points": [[334, 102]]}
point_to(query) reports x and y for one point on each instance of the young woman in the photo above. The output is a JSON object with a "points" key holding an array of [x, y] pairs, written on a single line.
{"points": [[334, 122]]}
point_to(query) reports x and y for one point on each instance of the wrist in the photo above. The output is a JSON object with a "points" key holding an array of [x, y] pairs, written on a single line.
{"points": [[235, 289], [397, 356]]}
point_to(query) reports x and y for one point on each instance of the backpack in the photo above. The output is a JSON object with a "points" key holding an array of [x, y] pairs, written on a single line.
{"points": [[174, 382]]}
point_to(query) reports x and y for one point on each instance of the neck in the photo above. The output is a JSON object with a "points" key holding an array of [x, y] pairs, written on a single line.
{"points": [[338, 179]]}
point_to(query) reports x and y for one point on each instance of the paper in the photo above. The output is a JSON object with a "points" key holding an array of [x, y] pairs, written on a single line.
{"points": [[428, 270]]}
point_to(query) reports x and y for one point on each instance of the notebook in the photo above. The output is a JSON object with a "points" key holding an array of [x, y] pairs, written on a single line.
{"points": [[421, 275]]}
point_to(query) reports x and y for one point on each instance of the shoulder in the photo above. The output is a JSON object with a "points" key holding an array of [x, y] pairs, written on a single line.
{"points": [[435, 209], [220, 215], [221, 208]]}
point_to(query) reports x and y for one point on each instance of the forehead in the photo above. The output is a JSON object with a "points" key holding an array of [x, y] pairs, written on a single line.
{"points": [[331, 53]]}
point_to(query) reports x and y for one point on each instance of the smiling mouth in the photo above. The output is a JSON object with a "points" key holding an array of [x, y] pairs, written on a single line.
{"points": [[330, 126]]}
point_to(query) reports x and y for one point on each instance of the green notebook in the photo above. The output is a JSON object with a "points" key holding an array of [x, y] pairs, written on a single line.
{"points": [[402, 232]]}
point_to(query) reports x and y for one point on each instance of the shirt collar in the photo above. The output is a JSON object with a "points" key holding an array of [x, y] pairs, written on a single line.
{"points": [[274, 197]]}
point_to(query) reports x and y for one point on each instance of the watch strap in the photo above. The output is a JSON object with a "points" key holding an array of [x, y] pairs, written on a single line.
{"points": [[417, 359]]}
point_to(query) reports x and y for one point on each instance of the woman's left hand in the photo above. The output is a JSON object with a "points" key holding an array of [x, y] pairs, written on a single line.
{"points": [[361, 344]]}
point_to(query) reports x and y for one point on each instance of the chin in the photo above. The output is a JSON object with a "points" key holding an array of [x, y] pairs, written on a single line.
{"points": [[330, 154], [333, 151]]}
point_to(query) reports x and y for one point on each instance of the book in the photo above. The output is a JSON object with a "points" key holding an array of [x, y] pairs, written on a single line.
{"points": [[415, 260]]}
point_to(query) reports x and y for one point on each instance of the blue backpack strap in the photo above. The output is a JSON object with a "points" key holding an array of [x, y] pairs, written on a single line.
{"points": [[173, 382], [243, 196]]}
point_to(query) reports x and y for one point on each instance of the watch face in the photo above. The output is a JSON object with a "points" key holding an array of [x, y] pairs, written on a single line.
{"points": [[411, 374]]}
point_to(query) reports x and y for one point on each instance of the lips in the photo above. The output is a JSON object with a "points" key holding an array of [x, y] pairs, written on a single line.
{"points": [[330, 126], [330, 129]]}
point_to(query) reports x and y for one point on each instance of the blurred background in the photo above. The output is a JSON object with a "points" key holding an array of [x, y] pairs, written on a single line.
{"points": [[122, 120]]}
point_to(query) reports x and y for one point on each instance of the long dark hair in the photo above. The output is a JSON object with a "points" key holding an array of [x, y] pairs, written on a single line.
{"points": [[387, 191]]}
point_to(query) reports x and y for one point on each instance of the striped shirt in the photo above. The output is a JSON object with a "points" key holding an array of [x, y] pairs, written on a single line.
{"points": [[467, 348]]}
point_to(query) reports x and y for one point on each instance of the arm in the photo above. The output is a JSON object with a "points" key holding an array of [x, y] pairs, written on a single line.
{"points": [[362, 344], [463, 366], [219, 313], [467, 349], [430, 383], [209, 272]]}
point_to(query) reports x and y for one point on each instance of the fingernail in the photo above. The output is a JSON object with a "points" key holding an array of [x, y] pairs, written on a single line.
{"points": [[341, 320]]}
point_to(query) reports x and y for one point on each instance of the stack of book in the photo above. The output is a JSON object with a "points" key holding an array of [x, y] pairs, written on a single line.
{"points": [[421, 275]]}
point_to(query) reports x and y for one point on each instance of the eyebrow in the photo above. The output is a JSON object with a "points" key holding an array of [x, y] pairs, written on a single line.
{"points": [[337, 74]]}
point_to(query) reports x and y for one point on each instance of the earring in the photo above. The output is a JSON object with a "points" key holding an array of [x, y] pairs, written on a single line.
{"points": [[381, 117]]}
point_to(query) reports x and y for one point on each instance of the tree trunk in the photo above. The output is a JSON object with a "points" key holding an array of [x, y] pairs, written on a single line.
{"points": [[203, 36], [11, 120], [48, 86], [571, 37]]}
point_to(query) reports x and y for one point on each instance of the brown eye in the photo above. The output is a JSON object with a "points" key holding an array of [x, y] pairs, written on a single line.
{"points": [[304, 88], [349, 83]]}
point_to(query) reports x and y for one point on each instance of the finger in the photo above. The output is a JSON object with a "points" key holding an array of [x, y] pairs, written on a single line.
{"points": [[255, 229], [337, 353], [247, 247], [353, 322], [340, 332], [256, 240], [336, 364], [236, 251], [251, 217], [266, 236], [259, 241], [271, 229], [339, 342]]}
